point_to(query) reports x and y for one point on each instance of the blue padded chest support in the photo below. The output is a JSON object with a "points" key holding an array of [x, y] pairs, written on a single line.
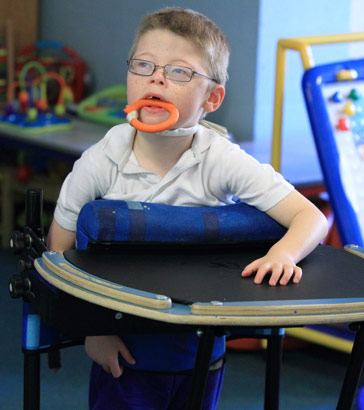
{"points": [[124, 221]]}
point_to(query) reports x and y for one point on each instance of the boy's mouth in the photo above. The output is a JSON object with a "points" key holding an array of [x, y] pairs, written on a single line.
{"points": [[152, 106], [153, 98], [154, 109]]}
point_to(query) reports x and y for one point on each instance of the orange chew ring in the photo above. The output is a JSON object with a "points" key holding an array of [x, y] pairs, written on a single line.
{"points": [[132, 117]]}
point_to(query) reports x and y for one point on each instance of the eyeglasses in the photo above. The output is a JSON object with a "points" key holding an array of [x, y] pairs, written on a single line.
{"points": [[171, 72]]}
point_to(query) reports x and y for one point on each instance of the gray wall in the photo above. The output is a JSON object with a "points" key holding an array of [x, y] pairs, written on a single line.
{"points": [[101, 31]]}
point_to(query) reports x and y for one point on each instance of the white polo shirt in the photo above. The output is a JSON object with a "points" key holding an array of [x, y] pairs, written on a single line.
{"points": [[210, 173]]}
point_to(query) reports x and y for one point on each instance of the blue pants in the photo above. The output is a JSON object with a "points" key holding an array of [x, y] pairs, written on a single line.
{"points": [[138, 390]]}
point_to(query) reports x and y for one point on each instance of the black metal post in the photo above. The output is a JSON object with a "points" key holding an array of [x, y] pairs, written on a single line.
{"points": [[31, 395], [353, 370], [201, 371], [34, 210], [31, 382], [273, 372]]}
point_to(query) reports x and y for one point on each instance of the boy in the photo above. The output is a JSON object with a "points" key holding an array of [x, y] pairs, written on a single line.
{"points": [[178, 56]]}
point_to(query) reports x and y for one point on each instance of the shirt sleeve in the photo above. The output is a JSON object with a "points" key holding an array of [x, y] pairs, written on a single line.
{"points": [[85, 183], [240, 175]]}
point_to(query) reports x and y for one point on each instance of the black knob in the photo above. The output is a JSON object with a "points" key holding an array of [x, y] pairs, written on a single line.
{"points": [[19, 241], [16, 286], [19, 287]]}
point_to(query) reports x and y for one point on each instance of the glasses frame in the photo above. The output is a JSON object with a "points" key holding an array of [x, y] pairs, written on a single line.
{"points": [[128, 62]]}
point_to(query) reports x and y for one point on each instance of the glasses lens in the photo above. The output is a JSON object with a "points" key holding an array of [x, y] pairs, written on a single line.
{"points": [[141, 67], [176, 73]]}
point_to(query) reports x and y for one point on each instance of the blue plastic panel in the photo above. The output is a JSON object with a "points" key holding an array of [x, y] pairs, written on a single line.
{"points": [[336, 111]]}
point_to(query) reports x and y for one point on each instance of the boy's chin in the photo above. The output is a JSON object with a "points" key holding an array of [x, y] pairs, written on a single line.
{"points": [[155, 118]]}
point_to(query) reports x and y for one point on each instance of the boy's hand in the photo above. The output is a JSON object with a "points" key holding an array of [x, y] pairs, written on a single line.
{"points": [[104, 350], [280, 266]]}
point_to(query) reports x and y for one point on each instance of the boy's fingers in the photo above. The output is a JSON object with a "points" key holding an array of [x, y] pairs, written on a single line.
{"points": [[276, 270], [250, 269], [287, 274], [279, 273], [124, 351], [115, 369], [261, 272], [247, 271], [297, 276]]}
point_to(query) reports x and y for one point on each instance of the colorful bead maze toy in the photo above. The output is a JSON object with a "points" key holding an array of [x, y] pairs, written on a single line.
{"points": [[57, 58], [28, 109]]}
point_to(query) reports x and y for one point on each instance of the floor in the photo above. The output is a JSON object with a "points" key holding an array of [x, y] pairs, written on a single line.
{"points": [[311, 375]]}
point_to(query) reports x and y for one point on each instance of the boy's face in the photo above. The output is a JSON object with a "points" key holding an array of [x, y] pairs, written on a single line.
{"points": [[164, 47]]}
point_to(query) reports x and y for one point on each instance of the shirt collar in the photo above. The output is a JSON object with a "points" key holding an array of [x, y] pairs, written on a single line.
{"points": [[206, 134], [118, 142]]}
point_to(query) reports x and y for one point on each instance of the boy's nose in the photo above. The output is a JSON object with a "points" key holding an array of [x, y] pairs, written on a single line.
{"points": [[158, 75]]}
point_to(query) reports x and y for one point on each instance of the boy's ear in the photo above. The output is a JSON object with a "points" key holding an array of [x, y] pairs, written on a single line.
{"points": [[214, 98]]}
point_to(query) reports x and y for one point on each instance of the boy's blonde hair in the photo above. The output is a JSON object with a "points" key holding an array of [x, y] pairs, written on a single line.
{"points": [[196, 27]]}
